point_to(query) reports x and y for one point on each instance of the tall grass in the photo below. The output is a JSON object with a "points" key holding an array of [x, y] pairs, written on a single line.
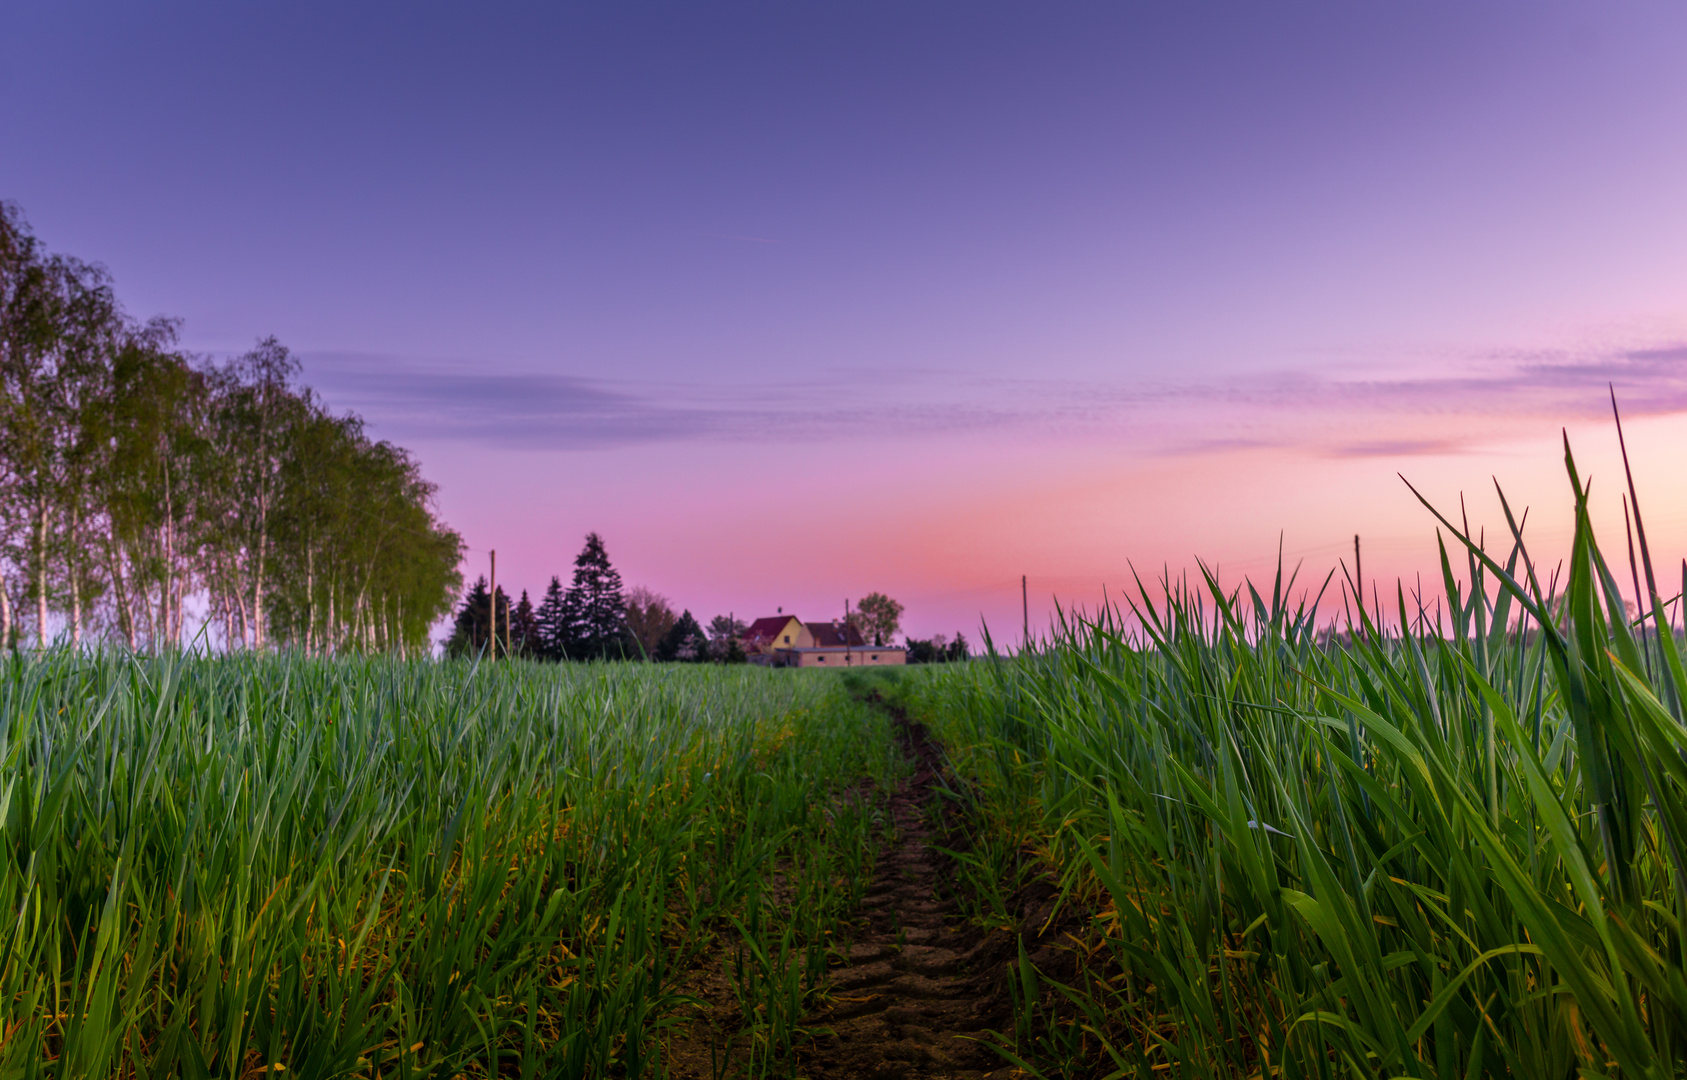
{"points": [[1433, 848], [234, 867]]}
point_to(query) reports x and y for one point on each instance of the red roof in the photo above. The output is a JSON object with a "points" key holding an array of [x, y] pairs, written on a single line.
{"points": [[763, 631], [832, 634]]}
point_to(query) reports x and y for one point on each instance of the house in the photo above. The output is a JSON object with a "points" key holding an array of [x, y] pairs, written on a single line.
{"points": [[763, 636], [820, 645]]}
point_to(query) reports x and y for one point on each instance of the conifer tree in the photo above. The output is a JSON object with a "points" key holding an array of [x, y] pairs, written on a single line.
{"points": [[684, 642], [594, 609], [524, 629], [471, 631], [958, 649], [552, 617]]}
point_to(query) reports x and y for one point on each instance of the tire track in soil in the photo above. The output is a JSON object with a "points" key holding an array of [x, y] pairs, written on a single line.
{"points": [[922, 985]]}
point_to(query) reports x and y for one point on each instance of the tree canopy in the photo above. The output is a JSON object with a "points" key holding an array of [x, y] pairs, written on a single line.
{"points": [[135, 478], [649, 617], [684, 641], [878, 618], [938, 649]]}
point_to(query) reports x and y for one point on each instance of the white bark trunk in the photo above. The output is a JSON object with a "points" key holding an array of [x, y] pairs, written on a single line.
{"points": [[161, 630], [172, 582], [310, 599], [240, 607], [125, 612], [258, 572], [176, 611], [360, 621], [148, 617], [41, 574], [71, 569]]}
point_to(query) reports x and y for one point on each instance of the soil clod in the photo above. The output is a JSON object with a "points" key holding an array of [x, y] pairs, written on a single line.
{"points": [[918, 995]]}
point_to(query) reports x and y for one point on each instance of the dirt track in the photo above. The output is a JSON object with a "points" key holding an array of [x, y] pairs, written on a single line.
{"points": [[922, 986]]}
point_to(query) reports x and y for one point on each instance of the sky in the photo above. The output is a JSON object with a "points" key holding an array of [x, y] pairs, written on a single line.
{"points": [[796, 301]]}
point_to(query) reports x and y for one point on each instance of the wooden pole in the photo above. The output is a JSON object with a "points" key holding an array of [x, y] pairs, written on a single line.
{"points": [[492, 602], [1025, 611]]}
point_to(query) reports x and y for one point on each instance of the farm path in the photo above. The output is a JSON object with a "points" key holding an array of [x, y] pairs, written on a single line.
{"points": [[920, 988]]}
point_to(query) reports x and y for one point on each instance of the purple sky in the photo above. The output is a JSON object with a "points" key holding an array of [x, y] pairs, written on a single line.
{"points": [[796, 301]]}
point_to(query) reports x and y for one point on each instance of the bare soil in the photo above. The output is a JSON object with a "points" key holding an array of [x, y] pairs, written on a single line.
{"points": [[922, 986]]}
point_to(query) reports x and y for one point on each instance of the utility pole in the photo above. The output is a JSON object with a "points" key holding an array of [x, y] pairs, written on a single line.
{"points": [[849, 650], [1025, 610], [492, 602]]}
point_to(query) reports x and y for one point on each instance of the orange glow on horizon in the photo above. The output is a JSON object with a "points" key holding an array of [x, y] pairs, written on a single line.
{"points": [[951, 536]]}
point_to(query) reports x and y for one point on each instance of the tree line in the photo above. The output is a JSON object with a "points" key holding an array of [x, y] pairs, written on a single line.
{"points": [[138, 482], [595, 618]]}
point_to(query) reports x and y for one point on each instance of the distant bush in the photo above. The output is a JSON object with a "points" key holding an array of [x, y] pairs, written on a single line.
{"points": [[938, 649]]}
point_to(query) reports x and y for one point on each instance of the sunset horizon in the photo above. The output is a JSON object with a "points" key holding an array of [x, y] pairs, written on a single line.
{"points": [[794, 306]]}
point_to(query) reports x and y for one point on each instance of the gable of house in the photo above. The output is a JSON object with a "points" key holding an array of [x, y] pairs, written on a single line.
{"points": [[777, 632]]}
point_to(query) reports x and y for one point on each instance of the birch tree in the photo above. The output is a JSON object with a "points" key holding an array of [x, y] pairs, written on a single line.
{"points": [[134, 477]]}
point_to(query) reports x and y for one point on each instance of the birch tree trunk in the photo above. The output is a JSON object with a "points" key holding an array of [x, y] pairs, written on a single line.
{"points": [[143, 592], [258, 584], [41, 572], [125, 612], [161, 626], [310, 599], [71, 567], [172, 587]]}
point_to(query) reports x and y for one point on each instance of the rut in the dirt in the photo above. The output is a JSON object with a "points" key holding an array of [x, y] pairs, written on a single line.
{"points": [[918, 993]]}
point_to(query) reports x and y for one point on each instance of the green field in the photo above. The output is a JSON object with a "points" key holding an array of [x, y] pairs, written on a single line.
{"points": [[1277, 848], [1450, 852], [215, 866]]}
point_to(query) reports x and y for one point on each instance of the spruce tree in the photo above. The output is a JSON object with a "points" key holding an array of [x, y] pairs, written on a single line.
{"points": [[594, 608], [472, 629], [958, 649], [684, 642], [524, 636], [553, 636]]}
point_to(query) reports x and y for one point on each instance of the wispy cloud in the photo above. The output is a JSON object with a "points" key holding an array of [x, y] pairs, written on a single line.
{"points": [[1492, 398], [1395, 448], [564, 412], [512, 410]]}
